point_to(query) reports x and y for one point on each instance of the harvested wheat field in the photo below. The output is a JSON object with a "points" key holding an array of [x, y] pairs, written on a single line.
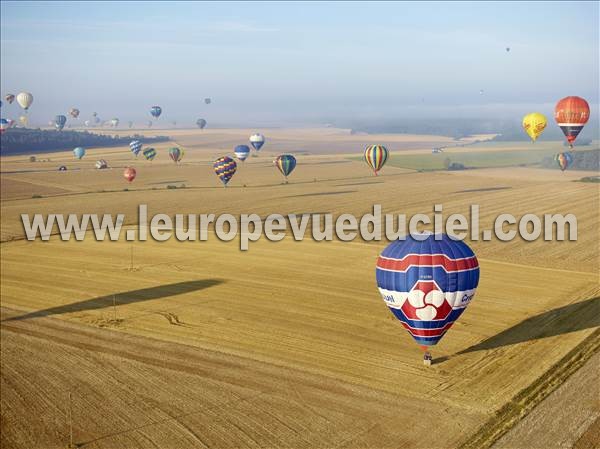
{"points": [[198, 344]]}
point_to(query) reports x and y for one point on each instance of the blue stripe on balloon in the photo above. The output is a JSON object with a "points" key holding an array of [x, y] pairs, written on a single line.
{"points": [[447, 282]]}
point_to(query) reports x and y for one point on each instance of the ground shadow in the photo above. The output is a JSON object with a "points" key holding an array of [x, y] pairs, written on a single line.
{"points": [[563, 320], [359, 184], [484, 189], [166, 182], [321, 193], [123, 298]]}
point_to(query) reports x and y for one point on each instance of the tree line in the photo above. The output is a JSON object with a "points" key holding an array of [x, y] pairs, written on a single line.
{"points": [[27, 141]]}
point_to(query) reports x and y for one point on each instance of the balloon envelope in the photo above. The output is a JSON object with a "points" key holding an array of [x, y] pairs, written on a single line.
{"points": [[201, 123], [257, 141], [4, 125], [149, 153], [135, 146], [534, 124], [207, 100], [427, 283], [101, 164], [564, 160], [376, 156], [25, 99], [242, 152], [155, 111], [571, 114], [74, 112], [285, 164], [9, 98], [176, 154], [225, 168], [59, 122], [79, 152], [129, 174]]}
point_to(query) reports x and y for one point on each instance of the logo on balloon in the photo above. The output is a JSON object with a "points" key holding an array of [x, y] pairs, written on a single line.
{"points": [[426, 301]]}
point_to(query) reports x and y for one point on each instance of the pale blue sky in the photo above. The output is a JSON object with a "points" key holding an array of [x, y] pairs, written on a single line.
{"points": [[298, 63]]}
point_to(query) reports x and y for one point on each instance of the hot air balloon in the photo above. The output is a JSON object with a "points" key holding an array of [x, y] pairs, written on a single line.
{"points": [[25, 99], [101, 164], [94, 114], [4, 125], [59, 122], [62, 168], [129, 174], [135, 147], [97, 120], [225, 168], [507, 49], [207, 101], [114, 122], [74, 112], [571, 114], [257, 141], [79, 152], [24, 120], [149, 153], [242, 152], [87, 123], [427, 281], [285, 164], [534, 124], [9, 98], [564, 160], [176, 154], [155, 111], [480, 91], [201, 123], [376, 157]]}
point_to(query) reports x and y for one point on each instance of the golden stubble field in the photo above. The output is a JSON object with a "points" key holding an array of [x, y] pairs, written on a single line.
{"points": [[287, 344]]}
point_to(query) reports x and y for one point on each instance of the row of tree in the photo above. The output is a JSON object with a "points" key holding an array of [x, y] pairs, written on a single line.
{"points": [[26, 141]]}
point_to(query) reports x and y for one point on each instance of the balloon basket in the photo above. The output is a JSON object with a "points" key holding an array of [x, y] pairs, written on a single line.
{"points": [[427, 358]]}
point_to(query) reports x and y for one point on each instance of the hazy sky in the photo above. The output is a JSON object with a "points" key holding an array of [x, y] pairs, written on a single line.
{"points": [[300, 63]]}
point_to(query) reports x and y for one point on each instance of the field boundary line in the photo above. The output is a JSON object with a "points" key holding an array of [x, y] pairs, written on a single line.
{"points": [[562, 270], [527, 399]]}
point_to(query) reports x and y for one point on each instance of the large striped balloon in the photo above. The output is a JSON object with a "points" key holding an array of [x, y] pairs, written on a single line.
{"points": [[285, 164], [149, 153], [571, 114], [225, 168], [135, 147], [242, 152], [427, 283], [376, 157]]}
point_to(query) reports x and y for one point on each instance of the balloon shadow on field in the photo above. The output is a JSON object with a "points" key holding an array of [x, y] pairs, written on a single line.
{"points": [[563, 320], [123, 298], [340, 192]]}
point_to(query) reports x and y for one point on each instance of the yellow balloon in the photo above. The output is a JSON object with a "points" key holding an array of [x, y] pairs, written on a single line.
{"points": [[24, 120], [534, 124]]}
